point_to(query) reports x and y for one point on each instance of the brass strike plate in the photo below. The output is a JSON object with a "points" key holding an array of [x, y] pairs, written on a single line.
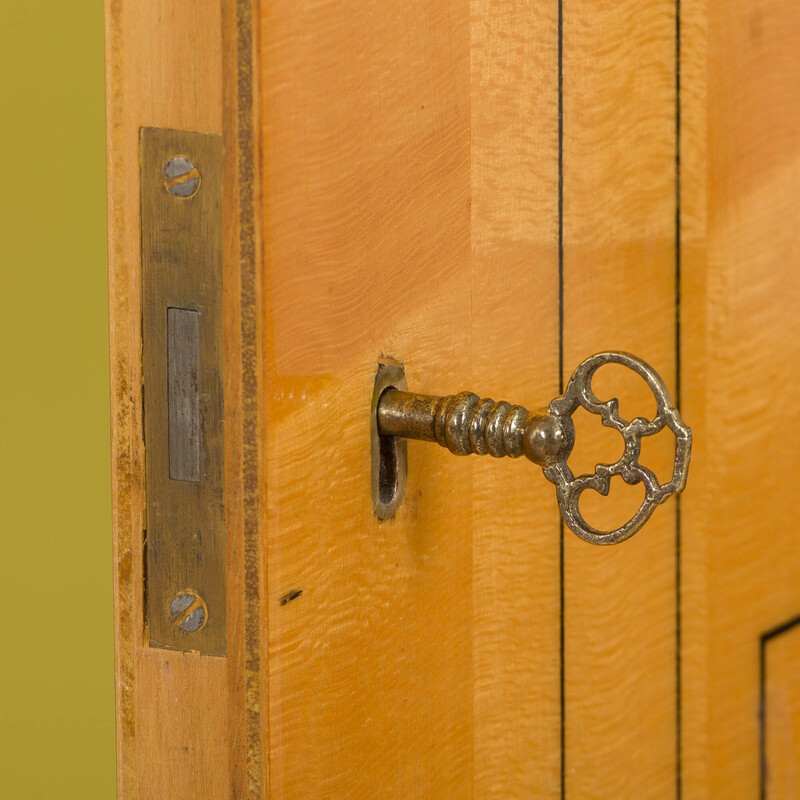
{"points": [[181, 206]]}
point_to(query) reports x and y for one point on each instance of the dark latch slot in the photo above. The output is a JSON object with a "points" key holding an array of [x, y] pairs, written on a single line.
{"points": [[183, 377]]}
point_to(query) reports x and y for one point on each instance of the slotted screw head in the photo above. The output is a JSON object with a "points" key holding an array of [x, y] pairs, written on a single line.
{"points": [[181, 177], [188, 611]]}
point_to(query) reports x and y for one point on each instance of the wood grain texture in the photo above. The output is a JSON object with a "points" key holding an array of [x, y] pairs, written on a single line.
{"points": [[247, 697], [742, 383], [619, 294], [163, 69], [366, 215], [515, 330]]}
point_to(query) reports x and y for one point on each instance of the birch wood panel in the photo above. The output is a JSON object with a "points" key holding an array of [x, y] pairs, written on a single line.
{"points": [[619, 244], [515, 330], [164, 68], [741, 373], [366, 218]]}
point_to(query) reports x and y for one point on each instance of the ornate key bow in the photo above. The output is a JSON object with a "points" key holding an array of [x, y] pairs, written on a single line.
{"points": [[569, 488]]}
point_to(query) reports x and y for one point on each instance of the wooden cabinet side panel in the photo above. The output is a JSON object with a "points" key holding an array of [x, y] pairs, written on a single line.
{"points": [[515, 325], [164, 63], [742, 380], [620, 248], [366, 215]]}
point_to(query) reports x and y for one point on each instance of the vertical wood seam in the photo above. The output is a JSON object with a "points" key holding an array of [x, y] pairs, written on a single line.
{"points": [[250, 425], [561, 629], [122, 454], [678, 531]]}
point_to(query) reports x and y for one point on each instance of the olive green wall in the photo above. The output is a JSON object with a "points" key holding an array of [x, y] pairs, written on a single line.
{"points": [[56, 635]]}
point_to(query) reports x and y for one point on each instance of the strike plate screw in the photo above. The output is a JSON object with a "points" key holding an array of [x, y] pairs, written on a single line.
{"points": [[181, 177], [188, 611]]}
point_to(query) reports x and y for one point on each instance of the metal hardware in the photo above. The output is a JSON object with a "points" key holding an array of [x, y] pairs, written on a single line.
{"points": [[183, 393], [181, 177], [465, 423], [188, 611], [182, 390], [389, 454]]}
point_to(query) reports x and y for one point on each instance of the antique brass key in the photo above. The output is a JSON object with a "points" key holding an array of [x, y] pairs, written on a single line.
{"points": [[464, 423]]}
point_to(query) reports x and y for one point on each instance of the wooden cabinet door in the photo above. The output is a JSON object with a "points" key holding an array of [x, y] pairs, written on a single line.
{"points": [[486, 191]]}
